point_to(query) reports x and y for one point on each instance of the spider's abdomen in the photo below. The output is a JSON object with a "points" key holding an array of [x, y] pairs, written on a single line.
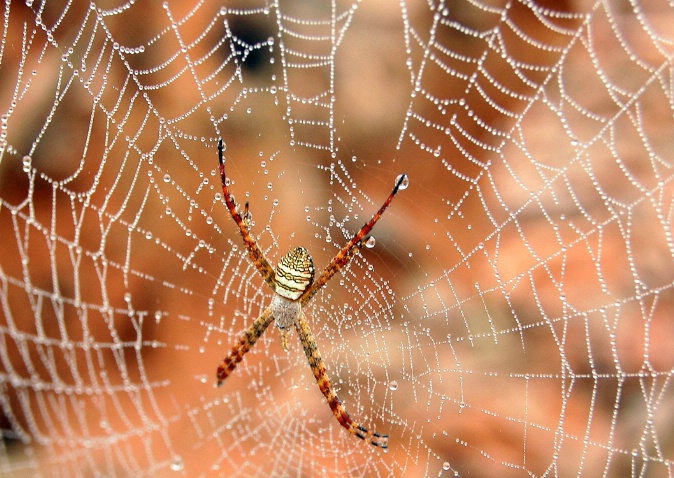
{"points": [[294, 273]]}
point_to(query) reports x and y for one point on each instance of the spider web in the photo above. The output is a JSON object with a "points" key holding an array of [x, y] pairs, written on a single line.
{"points": [[513, 319]]}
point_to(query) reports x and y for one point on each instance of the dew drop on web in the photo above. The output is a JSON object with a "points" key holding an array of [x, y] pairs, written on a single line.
{"points": [[177, 464], [27, 163]]}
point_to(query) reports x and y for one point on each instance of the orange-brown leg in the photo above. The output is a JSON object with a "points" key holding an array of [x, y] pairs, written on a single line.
{"points": [[246, 341], [321, 375], [254, 251], [344, 256]]}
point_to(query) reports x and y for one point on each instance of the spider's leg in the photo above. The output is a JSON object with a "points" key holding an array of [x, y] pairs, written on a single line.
{"points": [[344, 256], [254, 251], [321, 375], [246, 341]]}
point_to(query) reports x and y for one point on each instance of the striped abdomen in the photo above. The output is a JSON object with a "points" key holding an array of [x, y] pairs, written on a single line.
{"points": [[294, 273]]}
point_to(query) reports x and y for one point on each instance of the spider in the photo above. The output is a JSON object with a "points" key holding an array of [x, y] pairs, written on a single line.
{"points": [[293, 284]]}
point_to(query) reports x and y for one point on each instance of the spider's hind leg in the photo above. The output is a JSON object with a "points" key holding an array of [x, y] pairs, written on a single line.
{"points": [[247, 216], [347, 252], [254, 252]]}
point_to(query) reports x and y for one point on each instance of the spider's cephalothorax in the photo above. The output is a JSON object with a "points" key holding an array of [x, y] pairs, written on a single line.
{"points": [[293, 284]]}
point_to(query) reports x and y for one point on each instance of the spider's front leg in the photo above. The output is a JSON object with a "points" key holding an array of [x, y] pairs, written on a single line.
{"points": [[321, 375], [246, 341]]}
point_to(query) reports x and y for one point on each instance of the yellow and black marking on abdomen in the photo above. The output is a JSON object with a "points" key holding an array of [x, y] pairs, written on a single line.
{"points": [[294, 273], [321, 375]]}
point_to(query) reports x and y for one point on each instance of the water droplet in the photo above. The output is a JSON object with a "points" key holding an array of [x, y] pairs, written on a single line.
{"points": [[404, 181], [370, 242], [167, 178], [177, 464], [393, 385], [27, 163], [446, 466]]}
